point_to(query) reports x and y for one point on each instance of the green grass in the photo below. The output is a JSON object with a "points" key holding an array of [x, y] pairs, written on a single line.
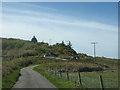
{"points": [[59, 83], [89, 79], [0, 82], [92, 80], [10, 80], [0, 74]]}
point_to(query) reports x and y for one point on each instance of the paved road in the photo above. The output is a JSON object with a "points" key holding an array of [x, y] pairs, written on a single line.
{"points": [[32, 79]]}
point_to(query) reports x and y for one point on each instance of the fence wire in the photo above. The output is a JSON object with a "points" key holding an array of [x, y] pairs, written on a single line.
{"points": [[86, 81]]}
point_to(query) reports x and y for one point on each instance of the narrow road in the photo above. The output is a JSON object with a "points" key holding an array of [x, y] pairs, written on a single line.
{"points": [[32, 79]]}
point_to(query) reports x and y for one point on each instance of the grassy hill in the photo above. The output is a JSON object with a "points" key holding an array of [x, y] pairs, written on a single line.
{"points": [[17, 47], [18, 53]]}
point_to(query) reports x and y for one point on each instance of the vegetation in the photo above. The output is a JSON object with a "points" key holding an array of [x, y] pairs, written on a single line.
{"points": [[15, 47], [11, 68], [10, 80], [17, 54], [59, 83], [89, 79]]}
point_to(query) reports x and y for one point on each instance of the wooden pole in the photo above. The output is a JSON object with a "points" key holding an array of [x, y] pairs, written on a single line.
{"points": [[75, 83], [67, 75], [101, 81], [55, 71], [94, 48], [61, 74], [79, 76]]}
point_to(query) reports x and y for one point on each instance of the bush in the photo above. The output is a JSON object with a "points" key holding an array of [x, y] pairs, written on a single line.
{"points": [[88, 69]]}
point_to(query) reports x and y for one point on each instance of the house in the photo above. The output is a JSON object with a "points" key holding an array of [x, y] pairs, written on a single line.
{"points": [[83, 55], [50, 55], [34, 39], [73, 57]]}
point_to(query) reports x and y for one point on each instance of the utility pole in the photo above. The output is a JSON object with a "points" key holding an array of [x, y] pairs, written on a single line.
{"points": [[50, 41], [94, 48], [67, 41]]}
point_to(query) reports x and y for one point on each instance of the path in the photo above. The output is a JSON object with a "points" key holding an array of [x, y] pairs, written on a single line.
{"points": [[32, 79]]}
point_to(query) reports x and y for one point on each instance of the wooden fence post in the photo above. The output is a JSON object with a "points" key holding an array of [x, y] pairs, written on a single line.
{"points": [[50, 69], [55, 71], [60, 74], [79, 76], [75, 83], [67, 75], [101, 81]]}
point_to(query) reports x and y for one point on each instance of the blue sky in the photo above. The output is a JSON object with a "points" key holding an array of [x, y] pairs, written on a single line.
{"points": [[81, 23]]}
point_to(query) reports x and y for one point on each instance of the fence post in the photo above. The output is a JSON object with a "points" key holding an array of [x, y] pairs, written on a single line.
{"points": [[60, 74], [55, 71], [79, 76], [75, 83], [67, 75], [101, 81], [50, 69]]}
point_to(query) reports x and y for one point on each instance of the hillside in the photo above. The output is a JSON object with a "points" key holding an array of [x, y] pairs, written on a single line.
{"points": [[17, 48]]}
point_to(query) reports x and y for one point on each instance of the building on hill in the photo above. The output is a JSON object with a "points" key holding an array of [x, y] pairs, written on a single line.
{"points": [[83, 55], [74, 57], [34, 39], [50, 55]]}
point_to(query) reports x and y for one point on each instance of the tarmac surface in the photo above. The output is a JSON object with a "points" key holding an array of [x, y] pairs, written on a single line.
{"points": [[32, 79]]}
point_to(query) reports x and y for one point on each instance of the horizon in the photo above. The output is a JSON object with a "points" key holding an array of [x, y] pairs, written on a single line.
{"points": [[54, 44], [81, 23]]}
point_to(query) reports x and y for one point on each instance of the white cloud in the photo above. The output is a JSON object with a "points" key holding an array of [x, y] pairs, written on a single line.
{"points": [[41, 16], [51, 18]]}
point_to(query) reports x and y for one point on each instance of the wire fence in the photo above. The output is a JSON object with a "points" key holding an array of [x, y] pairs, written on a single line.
{"points": [[80, 79]]}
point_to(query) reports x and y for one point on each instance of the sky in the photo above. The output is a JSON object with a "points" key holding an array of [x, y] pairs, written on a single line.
{"points": [[78, 22]]}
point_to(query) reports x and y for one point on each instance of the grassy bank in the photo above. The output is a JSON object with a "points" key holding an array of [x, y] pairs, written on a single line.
{"points": [[88, 79], [11, 68], [59, 83], [10, 80]]}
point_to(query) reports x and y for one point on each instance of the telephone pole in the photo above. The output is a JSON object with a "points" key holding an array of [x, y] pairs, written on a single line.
{"points": [[50, 41], [67, 41], [94, 48]]}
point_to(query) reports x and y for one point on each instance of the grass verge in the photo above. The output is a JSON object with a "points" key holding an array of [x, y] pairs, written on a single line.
{"points": [[59, 83], [10, 80]]}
